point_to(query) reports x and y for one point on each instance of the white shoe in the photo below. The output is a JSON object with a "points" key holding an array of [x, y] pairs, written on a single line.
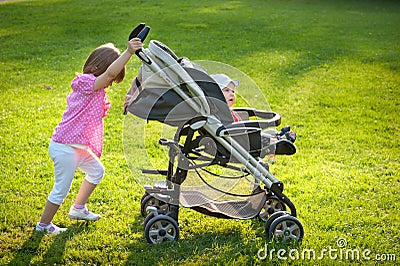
{"points": [[50, 229], [82, 214]]}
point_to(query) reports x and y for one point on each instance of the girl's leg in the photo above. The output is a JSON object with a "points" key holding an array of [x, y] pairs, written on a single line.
{"points": [[84, 193], [65, 160], [94, 169], [45, 224], [91, 165], [65, 163], [49, 211]]}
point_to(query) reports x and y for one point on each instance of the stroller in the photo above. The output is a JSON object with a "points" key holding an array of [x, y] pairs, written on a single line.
{"points": [[207, 146]]}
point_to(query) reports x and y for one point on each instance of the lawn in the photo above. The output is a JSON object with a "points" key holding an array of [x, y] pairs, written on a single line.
{"points": [[331, 69]]}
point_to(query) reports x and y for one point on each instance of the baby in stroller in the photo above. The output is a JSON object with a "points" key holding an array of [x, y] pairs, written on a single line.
{"points": [[179, 93], [272, 142]]}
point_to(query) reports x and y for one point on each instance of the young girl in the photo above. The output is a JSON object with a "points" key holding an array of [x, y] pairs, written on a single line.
{"points": [[77, 141]]}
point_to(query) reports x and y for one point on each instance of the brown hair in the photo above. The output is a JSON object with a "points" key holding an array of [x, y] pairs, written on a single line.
{"points": [[100, 59]]}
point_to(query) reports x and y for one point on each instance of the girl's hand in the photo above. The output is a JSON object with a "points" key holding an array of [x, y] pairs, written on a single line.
{"points": [[134, 45]]}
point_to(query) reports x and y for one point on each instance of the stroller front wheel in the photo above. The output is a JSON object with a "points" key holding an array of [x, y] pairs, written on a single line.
{"points": [[151, 215], [272, 218], [161, 228], [286, 228]]}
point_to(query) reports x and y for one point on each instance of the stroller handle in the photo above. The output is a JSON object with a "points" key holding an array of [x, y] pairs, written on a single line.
{"points": [[136, 31], [142, 36], [143, 33]]}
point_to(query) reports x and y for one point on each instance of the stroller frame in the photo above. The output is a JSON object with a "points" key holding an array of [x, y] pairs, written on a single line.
{"points": [[161, 201]]}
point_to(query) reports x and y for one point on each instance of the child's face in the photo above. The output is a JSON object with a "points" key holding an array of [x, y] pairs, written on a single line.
{"points": [[229, 93]]}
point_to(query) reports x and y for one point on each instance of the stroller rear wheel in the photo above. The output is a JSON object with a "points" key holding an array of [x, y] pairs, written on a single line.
{"points": [[286, 228], [161, 228], [149, 200]]}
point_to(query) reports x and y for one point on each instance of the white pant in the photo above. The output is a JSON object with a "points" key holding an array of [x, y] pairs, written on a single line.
{"points": [[66, 160]]}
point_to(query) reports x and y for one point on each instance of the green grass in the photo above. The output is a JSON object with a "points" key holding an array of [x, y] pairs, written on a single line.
{"points": [[330, 68]]}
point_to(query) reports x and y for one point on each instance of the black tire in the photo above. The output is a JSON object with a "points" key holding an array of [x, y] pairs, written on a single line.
{"points": [[149, 200], [145, 194], [271, 206], [286, 228], [272, 218], [151, 216], [161, 228]]}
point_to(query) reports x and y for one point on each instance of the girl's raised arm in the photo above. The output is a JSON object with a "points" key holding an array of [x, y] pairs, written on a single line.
{"points": [[106, 79]]}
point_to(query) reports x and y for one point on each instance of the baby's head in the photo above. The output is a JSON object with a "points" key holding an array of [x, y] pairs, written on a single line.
{"points": [[228, 87]]}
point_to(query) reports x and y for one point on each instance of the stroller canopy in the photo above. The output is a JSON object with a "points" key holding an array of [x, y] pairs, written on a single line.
{"points": [[152, 98]]}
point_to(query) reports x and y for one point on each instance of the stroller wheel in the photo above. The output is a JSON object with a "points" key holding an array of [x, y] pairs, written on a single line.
{"points": [[286, 228], [272, 218], [151, 215], [145, 194], [271, 206], [161, 228], [149, 200]]}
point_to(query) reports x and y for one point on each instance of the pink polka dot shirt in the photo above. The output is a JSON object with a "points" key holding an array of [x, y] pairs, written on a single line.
{"points": [[82, 121]]}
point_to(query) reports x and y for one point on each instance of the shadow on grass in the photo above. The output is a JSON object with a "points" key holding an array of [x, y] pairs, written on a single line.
{"points": [[55, 252], [28, 250]]}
